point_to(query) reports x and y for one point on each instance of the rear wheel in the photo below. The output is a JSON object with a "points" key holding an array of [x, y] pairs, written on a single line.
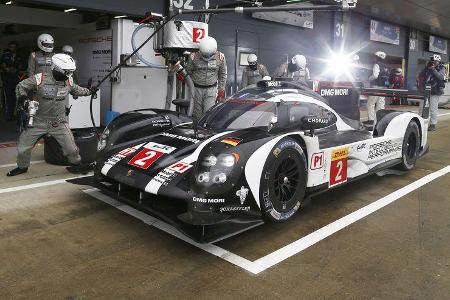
{"points": [[283, 183], [411, 145]]}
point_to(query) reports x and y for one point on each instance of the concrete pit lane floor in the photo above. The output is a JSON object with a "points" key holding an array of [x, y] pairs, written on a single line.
{"points": [[58, 242]]}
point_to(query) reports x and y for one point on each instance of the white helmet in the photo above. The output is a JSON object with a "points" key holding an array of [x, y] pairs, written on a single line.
{"points": [[252, 59], [67, 49], [436, 57], [208, 47], [46, 42], [380, 54], [299, 60], [64, 65], [398, 71]]}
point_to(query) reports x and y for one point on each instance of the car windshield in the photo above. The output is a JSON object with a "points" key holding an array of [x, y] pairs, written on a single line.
{"points": [[263, 93], [237, 114]]}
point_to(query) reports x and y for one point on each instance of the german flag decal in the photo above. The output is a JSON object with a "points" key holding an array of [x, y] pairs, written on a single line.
{"points": [[232, 141]]}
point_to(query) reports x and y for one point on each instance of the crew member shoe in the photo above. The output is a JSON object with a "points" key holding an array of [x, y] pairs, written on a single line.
{"points": [[17, 171], [432, 127], [80, 169]]}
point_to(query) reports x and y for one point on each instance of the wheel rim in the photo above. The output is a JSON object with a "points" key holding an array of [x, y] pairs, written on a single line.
{"points": [[285, 182], [411, 146]]}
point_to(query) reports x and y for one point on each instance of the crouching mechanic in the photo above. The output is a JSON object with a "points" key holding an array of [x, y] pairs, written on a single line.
{"points": [[50, 91], [208, 70]]}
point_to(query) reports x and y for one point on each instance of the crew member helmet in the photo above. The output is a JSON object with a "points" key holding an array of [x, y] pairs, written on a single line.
{"points": [[299, 60], [208, 47], [67, 49], [252, 59], [380, 54], [63, 66], [46, 42]]}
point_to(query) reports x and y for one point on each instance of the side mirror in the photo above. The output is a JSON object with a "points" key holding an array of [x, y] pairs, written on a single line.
{"points": [[312, 123]]}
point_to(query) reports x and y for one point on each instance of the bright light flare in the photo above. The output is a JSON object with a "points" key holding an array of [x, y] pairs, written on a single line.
{"points": [[341, 66]]}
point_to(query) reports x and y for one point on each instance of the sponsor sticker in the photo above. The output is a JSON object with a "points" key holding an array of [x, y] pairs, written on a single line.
{"points": [[118, 157], [208, 200], [159, 147], [242, 194], [334, 92], [317, 161], [232, 141], [339, 165], [180, 137], [234, 209], [383, 149], [179, 167]]}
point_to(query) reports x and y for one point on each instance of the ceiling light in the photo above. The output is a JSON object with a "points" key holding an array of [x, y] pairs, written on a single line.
{"points": [[119, 17], [69, 10], [8, 3]]}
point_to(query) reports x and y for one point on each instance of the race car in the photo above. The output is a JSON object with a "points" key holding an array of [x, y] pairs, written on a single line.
{"points": [[256, 157]]}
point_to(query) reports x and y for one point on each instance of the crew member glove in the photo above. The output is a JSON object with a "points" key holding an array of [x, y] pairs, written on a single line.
{"points": [[94, 91], [220, 95]]}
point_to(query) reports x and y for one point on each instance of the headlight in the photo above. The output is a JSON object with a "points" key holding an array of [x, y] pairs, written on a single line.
{"points": [[215, 169], [203, 177], [103, 140], [227, 160], [220, 178], [209, 161]]}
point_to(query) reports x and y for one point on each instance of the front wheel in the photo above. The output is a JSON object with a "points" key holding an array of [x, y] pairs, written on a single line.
{"points": [[411, 145], [283, 181]]}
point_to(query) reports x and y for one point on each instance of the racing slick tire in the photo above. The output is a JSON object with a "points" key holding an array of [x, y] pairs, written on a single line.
{"points": [[283, 181], [411, 145]]}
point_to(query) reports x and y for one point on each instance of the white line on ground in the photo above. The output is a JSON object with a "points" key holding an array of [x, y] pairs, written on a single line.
{"points": [[38, 185], [147, 219], [288, 251], [446, 114], [324, 232], [15, 165]]}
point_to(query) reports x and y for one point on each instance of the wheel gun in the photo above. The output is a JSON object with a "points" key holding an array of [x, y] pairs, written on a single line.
{"points": [[33, 107]]}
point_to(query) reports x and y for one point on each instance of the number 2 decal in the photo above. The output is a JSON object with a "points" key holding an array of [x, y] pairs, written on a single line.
{"points": [[338, 168], [145, 158]]}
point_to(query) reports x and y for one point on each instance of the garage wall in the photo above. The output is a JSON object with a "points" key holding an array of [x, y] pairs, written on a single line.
{"points": [[273, 42], [359, 37]]}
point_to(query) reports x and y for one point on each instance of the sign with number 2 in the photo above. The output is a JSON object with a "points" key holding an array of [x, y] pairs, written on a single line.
{"points": [[339, 164]]}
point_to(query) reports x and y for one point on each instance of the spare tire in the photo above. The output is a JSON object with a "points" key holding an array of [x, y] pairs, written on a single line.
{"points": [[85, 140]]}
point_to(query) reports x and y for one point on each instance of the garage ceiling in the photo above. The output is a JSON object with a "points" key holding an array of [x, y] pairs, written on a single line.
{"points": [[427, 15]]}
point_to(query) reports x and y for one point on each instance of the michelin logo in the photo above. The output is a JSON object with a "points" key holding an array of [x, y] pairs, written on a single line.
{"points": [[335, 92]]}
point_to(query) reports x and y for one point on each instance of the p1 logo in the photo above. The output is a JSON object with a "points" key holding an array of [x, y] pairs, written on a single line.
{"points": [[338, 168], [317, 161], [197, 34]]}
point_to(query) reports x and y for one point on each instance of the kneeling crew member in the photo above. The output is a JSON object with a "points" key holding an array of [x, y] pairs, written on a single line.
{"points": [[254, 72], [50, 91], [208, 70]]}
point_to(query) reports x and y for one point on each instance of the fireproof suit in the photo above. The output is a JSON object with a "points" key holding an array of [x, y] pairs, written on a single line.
{"points": [[209, 76], [39, 62], [252, 76], [50, 118]]}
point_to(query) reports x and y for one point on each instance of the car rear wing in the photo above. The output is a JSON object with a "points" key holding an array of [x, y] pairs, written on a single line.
{"points": [[417, 95]]}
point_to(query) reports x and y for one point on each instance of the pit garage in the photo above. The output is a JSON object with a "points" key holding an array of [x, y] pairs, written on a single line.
{"points": [[171, 202]]}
